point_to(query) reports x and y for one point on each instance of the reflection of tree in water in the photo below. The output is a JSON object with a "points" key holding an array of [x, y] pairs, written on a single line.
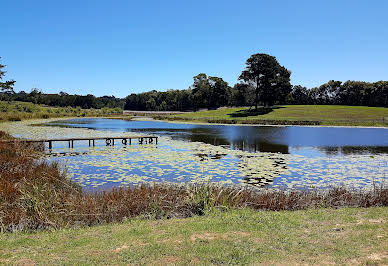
{"points": [[354, 150], [261, 170], [259, 146], [205, 156], [244, 138]]}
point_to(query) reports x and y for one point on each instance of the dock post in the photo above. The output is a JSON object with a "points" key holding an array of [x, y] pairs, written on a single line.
{"points": [[93, 143], [130, 141], [156, 140], [72, 143], [50, 145], [69, 144], [113, 142], [89, 142]]}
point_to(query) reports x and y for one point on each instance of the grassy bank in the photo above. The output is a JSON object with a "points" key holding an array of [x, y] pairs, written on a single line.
{"points": [[351, 236], [17, 111], [329, 115]]}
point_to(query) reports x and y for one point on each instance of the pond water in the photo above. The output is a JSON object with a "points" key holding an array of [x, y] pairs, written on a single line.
{"points": [[267, 157]]}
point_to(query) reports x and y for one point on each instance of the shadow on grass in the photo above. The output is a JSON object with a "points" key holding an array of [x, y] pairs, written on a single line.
{"points": [[253, 112]]}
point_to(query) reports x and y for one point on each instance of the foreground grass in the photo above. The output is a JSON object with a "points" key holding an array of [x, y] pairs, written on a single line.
{"points": [[17, 111], [320, 236], [297, 114]]}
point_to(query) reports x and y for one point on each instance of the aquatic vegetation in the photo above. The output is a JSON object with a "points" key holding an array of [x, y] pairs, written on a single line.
{"points": [[174, 161]]}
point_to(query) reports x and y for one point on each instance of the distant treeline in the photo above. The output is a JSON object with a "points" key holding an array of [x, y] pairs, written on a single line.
{"points": [[63, 99], [263, 82], [213, 92], [348, 93]]}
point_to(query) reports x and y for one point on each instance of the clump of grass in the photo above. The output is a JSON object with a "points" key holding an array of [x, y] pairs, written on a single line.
{"points": [[35, 194]]}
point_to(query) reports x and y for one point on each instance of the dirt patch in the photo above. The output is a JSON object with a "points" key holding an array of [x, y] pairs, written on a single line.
{"points": [[204, 236], [195, 260], [25, 262], [377, 221], [372, 221], [118, 250], [378, 256], [373, 257], [126, 246], [213, 236]]}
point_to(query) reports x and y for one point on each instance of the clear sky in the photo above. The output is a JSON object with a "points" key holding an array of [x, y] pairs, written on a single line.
{"points": [[120, 47]]}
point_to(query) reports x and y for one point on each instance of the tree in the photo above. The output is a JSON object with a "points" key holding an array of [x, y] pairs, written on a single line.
{"points": [[6, 86], [270, 80], [298, 95], [240, 95], [218, 92], [200, 91]]}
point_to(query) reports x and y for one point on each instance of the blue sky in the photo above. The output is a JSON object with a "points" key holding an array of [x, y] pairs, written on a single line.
{"points": [[120, 47]]}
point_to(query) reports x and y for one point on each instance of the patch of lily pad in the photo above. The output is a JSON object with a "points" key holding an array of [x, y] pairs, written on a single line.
{"points": [[174, 161]]}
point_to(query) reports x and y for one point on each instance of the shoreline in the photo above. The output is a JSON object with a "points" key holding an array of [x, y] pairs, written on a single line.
{"points": [[255, 125], [196, 122]]}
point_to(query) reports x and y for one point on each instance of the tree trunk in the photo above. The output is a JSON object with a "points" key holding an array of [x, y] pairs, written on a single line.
{"points": [[256, 96]]}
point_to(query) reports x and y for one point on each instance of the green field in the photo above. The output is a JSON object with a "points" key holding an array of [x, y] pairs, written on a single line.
{"points": [[17, 111], [323, 236], [295, 114]]}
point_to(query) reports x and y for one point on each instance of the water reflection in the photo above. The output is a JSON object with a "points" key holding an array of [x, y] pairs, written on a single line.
{"points": [[290, 157], [349, 150], [292, 139]]}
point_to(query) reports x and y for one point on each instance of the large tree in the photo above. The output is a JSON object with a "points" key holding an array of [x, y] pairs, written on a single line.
{"points": [[200, 91], [269, 80], [6, 86]]}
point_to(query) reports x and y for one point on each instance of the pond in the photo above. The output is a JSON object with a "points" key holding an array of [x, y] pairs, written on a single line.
{"points": [[266, 157]]}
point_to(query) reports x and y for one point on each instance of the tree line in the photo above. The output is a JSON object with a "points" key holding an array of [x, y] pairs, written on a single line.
{"points": [[348, 93], [63, 99], [263, 82]]}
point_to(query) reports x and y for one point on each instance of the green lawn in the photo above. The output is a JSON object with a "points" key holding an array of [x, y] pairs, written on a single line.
{"points": [[324, 114], [323, 236]]}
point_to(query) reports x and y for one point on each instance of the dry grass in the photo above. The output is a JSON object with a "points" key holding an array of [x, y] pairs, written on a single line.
{"points": [[35, 194], [17, 111]]}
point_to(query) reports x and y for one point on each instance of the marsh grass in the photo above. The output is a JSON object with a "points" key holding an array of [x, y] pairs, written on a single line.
{"points": [[17, 111], [36, 194]]}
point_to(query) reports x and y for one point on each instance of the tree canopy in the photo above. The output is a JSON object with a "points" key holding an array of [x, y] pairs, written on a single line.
{"points": [[6, 86], [269, 80]]}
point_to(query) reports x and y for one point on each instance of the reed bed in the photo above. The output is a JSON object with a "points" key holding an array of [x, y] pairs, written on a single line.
{"points": [[18, 111], [35, 194]]}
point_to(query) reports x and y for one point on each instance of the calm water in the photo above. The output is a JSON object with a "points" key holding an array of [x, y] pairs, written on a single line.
{"points": [[294, 140], [261, 156]]}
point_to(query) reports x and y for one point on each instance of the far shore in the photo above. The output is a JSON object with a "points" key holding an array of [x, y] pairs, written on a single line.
{"points": [[147, 118]]}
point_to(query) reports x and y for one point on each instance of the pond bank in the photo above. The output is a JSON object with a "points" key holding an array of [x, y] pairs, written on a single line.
{"points": [[350, 236], [325, 115]]}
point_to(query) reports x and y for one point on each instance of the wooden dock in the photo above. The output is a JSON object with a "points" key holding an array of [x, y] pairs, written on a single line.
{"points": [[108, 140]]}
